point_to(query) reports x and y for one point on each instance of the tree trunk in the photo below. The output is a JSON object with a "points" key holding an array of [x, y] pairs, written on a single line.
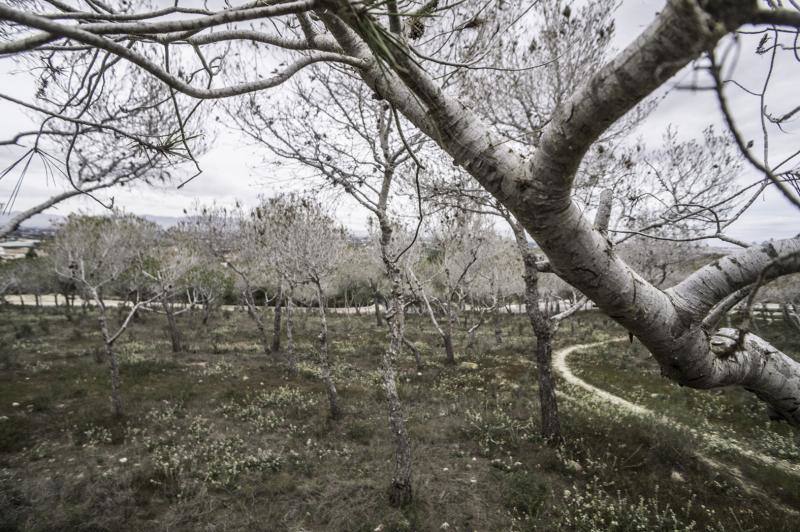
{"points": [[290, 358], [551, 425], [400, 491], [276, 328], [172, 326], [324, 357], [206, 311], [113, 365], [116, 394], [450, 357], [259, 321], [543, 331], [415, 351], [471, 338], [498, 329]]}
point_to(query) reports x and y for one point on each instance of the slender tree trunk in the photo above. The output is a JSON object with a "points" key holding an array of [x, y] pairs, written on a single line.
{"points": [[473, 331], [206, 311], [113, 364], [276, 327], [471, 339], [172, 326], [400, 491], [116, 394], [252, 311], [450, 357], [290, 357], [543, 331], [498, 329], [417, 357], [447, 337], [324, 357], [551, 424]]}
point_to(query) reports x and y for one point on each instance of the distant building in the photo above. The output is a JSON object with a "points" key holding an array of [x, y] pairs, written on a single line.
{"points": [[17, 249]]}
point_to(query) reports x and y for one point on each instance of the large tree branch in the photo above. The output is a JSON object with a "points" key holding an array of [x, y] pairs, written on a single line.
{"points": [[79, 34], [696, 295], [14, 222], [150, 28]]}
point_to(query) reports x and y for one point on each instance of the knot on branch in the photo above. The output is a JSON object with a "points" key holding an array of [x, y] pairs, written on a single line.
{"points": [[723, 345]]}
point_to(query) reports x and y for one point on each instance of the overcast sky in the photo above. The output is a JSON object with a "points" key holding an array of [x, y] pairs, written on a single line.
{"points": [[233, 170]]}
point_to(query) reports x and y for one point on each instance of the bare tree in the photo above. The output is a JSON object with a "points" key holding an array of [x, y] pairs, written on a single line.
{"points": [[307, 249], [35, 276], [172, 260], [498, 277], [456, 240], [94, 253], [208, 282], [235, 238]]}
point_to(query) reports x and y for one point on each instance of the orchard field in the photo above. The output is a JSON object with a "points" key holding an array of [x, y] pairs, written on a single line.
{"points": [[221, 437]]}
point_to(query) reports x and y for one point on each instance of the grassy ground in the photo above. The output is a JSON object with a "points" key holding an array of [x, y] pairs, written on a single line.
{"points": [[628, 371], [220, 438]]}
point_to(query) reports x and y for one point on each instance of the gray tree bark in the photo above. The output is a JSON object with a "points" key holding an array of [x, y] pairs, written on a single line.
{"points": [[276, 329], [324, 356], [172, 326], [290, 356], [400, 491]]}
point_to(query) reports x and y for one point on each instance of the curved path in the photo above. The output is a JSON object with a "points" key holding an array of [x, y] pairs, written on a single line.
{"points": [[563, 369]]}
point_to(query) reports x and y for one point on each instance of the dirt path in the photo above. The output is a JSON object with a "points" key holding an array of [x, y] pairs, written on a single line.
{"points": [[563, 369]]}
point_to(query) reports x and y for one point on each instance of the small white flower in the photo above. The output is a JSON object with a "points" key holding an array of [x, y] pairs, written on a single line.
{"points": [[15, 404], [123, 460], [473, 480], [245, 378], [445, 469], [445, 526]]}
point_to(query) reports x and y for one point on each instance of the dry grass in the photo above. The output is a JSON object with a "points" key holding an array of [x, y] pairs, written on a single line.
{"points": [[221, 438]]}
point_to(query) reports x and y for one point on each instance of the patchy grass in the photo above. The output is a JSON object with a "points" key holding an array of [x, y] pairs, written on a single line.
{"points": [[221, 437]]}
